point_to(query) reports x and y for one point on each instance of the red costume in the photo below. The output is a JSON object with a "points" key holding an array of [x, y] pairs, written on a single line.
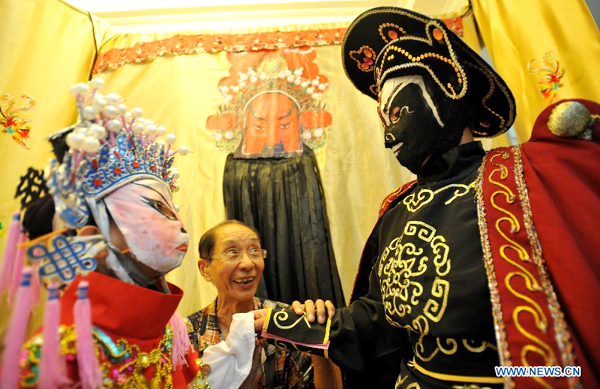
{"points": [[129, 319]]}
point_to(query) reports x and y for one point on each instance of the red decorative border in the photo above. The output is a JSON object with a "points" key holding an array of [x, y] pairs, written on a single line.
{"points": [[233, 43], [522, 312], [196, 44]]}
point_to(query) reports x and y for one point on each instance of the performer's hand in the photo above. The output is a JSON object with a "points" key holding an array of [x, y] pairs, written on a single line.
{"points": [[259, 319], [322, 308]]}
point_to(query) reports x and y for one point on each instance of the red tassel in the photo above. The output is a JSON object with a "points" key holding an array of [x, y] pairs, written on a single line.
{"points": [[89, 371], [15, 335]]}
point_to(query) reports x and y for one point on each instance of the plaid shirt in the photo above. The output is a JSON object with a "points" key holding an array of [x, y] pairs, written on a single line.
{"points": [[282, 368]]}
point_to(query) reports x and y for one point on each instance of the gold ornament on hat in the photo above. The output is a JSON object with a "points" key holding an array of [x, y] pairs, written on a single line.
{"points": [[571, 119]]}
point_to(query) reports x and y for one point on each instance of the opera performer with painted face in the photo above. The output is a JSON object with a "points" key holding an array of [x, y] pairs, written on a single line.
{"points": [[112, 234], [466, 268]]}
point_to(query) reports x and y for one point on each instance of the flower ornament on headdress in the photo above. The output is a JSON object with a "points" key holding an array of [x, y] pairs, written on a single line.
{"points": [[109, 148], [289, 72]]}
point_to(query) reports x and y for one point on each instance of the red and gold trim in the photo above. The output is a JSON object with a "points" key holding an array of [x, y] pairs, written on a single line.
{"points": [[530, 327], [394, 195], [213, 43], [235, 43]]}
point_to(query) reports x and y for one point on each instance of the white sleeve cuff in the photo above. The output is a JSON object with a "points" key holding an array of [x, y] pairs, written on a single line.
{"points": [[230, 360]]}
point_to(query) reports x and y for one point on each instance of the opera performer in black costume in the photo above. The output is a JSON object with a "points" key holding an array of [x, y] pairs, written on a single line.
{"points": [[452, 281]]}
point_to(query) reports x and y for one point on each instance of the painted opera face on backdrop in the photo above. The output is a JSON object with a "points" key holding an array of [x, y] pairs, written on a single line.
{"points": [[272, 127], [144, 213]]}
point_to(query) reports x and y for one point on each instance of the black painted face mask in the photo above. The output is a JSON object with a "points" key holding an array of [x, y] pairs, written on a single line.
{"points": [[412, 130]]}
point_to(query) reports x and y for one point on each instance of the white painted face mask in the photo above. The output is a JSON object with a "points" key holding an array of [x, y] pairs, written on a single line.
{"points": [[146, 216]]}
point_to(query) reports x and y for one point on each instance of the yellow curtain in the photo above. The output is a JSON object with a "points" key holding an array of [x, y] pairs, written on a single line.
{"points": [[545, 50], [181, 91], [47, 45]]}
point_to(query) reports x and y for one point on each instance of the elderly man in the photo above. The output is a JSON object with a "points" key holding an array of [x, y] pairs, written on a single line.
{"points": [[462, 271]]}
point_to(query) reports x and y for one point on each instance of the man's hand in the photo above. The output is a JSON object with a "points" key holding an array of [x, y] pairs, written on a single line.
{"points": [[259, 319], [309, 306], [256, 372]]}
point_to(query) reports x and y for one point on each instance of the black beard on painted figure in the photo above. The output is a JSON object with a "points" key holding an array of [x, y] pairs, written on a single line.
{"points": [[412, 122]]}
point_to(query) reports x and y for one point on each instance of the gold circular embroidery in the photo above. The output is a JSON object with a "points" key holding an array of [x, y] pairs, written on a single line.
{"points": [[402, 262]]}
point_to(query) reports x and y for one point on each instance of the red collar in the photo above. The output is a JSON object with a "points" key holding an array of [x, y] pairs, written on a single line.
{"points": [[122, 309]]}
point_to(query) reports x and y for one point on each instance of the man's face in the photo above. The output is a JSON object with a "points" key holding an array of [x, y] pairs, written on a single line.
{"points": [[410, 119], [144, 213], [271, 126], [238, 279]]}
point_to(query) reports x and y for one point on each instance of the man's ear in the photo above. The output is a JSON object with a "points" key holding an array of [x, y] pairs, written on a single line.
{"points": [[203, 266], [102, 254]]}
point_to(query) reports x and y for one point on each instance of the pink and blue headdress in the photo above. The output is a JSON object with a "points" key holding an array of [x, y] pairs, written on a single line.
{"points": [[110, 147]]}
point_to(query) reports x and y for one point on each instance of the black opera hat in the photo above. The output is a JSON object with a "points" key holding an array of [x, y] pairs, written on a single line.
{"points": [[388, 42]]}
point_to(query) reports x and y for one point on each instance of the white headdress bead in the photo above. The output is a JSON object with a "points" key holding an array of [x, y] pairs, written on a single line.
{"points": [[138, 128], [99, 102], [171, 139], [97, 82], [80, 89], [75, 140], [183, 150], [161, 130], [110, 111], [97, 131], [151, 129], [113, 99], [121, 109], [137, 112], [91, 144], [89, 113], [114, 125]]}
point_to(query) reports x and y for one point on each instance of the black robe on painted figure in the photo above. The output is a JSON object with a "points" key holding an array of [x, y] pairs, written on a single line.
{"points": [[282, 198]]}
